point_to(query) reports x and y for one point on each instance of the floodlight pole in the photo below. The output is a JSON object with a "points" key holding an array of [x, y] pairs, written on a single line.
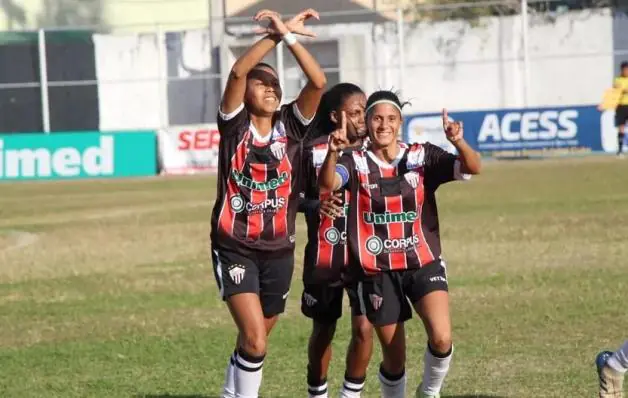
{"points": [[526, 53], [401, 45], [43, 81], [281, 73]]}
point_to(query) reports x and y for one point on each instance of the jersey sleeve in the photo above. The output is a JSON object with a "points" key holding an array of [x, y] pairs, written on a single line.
{"points": [[297, 126], [441, 166], [232, 123]]}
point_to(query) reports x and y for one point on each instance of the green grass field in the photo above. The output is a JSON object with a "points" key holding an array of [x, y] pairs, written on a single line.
{"points": [[106, 288]]}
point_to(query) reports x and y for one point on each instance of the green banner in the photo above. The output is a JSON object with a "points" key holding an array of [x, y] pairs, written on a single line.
{"points": [[77, 155]]}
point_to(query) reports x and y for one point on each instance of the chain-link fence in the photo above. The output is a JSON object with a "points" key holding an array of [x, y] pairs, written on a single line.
{"points": [[465, 55]]}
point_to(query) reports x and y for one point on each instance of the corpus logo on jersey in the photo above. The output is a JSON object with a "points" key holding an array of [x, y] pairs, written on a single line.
{"points": [[375, 245], [237, 203], [236, 272], [333, 236], [389, 218], [244, 181]]}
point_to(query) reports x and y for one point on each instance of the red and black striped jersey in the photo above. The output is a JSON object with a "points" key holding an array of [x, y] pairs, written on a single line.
{"points": [[326, 252], [258, 181], [393, 218]]}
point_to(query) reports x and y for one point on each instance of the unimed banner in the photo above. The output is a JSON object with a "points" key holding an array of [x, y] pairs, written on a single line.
{"points": [[189, 149], [530, 131], [77, 155]]}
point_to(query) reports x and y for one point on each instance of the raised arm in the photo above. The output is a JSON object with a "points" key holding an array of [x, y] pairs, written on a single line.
{"points": [[330, 178], [310, 96]]}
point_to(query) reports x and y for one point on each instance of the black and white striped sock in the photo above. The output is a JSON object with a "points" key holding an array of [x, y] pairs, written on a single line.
{"points": [[228, 390], [248, 374], [352, 387], [392, 386], [317, 391], [316, 388]]}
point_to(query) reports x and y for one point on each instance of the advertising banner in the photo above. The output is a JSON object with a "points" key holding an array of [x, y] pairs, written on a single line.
{"points": [[521, 132], [189, 149], [86, 154]]}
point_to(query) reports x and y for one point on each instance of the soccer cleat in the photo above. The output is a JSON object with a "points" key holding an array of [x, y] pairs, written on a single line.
{"points": [[611, 381], [421, 394]]}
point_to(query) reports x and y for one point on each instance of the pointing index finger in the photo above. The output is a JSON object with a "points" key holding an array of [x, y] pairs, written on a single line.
{"points": [[343, 121]]}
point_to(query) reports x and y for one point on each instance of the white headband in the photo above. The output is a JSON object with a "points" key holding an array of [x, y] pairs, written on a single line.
{"points": [[383, 101]]}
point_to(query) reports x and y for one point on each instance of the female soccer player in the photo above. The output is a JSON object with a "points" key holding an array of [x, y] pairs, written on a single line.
{"points": [[252, 232], [326, 251], [393, 235]]}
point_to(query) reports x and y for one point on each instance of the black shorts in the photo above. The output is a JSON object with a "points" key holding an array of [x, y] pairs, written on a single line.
{"points": [[322, 302], [621, 115], [266, 274], [385, 297]]}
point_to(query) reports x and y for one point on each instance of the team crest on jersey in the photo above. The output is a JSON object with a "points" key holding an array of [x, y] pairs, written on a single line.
{"points": [[310, 301], [412, 178], [278, 149], [376, 301], [236, 272], [416, 158]]}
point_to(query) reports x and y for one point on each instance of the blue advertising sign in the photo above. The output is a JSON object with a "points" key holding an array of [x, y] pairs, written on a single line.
{"points": [[530, 130]]}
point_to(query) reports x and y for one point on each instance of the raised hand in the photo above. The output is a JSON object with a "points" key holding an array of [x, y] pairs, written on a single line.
{"points": [[297, 23], [332, 206], [454, 131], [338, 139], [276, 25]]}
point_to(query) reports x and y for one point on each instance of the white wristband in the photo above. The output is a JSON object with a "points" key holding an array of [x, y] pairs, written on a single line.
{"points": [[289, 38]]}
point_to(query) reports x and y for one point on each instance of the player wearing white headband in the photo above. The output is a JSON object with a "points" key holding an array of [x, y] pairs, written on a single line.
{"points": [[393, 235]]}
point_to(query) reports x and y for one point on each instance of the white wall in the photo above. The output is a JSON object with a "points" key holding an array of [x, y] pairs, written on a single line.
{"points": [[452, 65]]}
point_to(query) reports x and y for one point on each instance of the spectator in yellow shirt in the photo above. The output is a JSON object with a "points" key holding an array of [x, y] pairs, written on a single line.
{"points": [[621, 113]]}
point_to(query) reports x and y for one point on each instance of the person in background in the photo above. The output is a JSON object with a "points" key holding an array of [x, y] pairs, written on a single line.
{"points": [[621, 112]]}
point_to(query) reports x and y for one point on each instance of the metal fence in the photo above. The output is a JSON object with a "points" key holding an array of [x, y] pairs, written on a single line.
{"points": [[463, 55]]}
